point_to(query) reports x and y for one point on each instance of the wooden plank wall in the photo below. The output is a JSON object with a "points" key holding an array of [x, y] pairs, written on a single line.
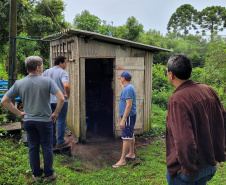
{"points": [[95, 49], [82, 97], [73, 117], [148, 91]]}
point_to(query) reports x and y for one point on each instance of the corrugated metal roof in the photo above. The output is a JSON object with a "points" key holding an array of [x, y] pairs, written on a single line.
{"points": [[104, 38]]}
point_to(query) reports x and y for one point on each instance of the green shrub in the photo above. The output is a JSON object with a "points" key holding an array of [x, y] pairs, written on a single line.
{"points": [[161, 98], [3, 72], [162, 89], [158, 122], [159, 78]]}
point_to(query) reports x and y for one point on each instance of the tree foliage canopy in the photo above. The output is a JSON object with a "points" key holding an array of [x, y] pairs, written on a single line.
{"points": [[87, 21], [212, 19], [184, 19], [134, 28]]}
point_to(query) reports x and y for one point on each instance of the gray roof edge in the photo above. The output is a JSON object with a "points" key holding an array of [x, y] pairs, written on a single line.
{"points": [[106, 38]]}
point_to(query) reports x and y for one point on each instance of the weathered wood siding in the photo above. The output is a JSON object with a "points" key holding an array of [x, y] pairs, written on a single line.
{"points": [[82, 96], [148, 91], [95, 49]]}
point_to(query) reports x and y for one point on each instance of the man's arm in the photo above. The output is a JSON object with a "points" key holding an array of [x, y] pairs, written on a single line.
{"points": [[129, 103], [120, 83], [60, 103], [6, 102], [67, 89]]}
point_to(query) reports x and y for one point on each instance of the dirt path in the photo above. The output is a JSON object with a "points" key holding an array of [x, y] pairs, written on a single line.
{"points": [[100, 152]]}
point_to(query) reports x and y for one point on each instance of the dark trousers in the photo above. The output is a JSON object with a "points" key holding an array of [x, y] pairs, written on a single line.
{"points": [[40, 133], [206, 174], [61, 121]]}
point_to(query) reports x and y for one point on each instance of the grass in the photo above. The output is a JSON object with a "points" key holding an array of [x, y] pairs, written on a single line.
{"points": [[150, 168]]}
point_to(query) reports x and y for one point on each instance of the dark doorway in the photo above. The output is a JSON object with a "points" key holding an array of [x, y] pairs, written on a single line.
{"points": [[99, 97]]}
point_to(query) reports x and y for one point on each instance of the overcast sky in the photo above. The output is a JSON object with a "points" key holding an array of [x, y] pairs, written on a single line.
{"points": [[152, 14]]}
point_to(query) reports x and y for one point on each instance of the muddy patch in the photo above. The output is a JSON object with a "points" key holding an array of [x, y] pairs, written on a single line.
{"points": [[100, 152]]}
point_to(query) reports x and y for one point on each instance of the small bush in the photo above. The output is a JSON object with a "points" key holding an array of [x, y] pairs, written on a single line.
{"points": [[158, 122], [161, 98]]}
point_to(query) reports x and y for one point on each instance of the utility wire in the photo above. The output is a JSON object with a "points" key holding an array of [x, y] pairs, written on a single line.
{"points": [[52, 15], [13, 46]]}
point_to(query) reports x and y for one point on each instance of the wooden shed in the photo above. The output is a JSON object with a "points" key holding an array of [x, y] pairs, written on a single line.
{"points": [[94, 62]]}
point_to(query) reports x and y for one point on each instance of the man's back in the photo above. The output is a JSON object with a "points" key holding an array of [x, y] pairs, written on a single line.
{"points": [[34, 91], [198, 116], [59, 76]]}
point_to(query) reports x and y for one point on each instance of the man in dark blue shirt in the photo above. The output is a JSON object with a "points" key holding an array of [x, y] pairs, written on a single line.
{"points": [[127, 110]]}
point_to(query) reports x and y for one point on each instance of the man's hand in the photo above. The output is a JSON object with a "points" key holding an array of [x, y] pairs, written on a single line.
{"points": [[120, 82], [54, 116], [21, 114], [122, 124], [6, 102], [119, 79]]}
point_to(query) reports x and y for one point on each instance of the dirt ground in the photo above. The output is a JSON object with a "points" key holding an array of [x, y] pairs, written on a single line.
{"points": [[100, 152]]}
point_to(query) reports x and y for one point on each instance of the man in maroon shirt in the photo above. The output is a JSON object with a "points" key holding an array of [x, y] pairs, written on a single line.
{"points": [[195, 127]]}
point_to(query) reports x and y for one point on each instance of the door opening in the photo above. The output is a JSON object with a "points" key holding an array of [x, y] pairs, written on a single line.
{"points": [[99, 97]]}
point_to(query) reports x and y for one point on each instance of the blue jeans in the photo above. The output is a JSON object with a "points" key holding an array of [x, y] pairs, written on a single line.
{"points": [[204, 175], [40, 133], [61, 121]]}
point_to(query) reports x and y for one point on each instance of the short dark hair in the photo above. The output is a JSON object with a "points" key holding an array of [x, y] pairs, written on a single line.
{"points": [[59, 59], [180, 65], [32, 62], [128, 79]]}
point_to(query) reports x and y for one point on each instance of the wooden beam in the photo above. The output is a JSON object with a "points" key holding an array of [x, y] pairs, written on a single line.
{"points": [[82, 93]]}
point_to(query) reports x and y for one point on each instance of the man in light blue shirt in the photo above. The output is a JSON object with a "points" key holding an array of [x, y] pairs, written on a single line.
{"points": [[127, 110], [61, 77]]}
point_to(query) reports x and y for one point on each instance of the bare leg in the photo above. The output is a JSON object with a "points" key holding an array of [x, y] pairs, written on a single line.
{"points": [[131, 153], [125, 149]]}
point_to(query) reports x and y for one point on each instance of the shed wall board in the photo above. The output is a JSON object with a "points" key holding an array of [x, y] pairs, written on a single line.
{"points": [[95, 49], [148, 91], [122, 51], [74, 102], [82, 97]]}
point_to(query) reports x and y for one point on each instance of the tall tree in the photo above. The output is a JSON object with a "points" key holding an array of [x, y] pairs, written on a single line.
{"points": [[50, 12], [212, 19], [87, 21], [24, 14], [48, 18], [215, 67], [184, 19], [131, 30], [134, 28]]}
